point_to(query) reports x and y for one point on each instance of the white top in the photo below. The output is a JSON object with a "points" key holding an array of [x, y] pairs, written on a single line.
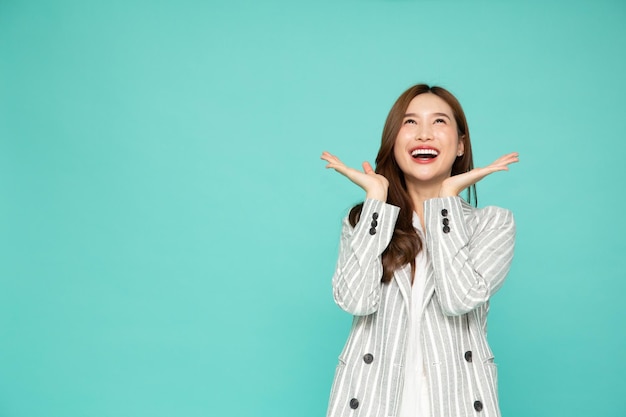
{"points": [[415, 400]]}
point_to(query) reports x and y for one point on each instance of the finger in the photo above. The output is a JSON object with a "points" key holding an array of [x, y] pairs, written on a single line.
{"points": [[327, 156], [367, 168], [333, 161], [505, 160], [336, 164], [508, 158], [341, 168], [511, 157], [508, 162]]}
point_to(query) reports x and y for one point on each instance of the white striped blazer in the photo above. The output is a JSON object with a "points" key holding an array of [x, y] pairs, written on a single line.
{"points": [[469, 252]]}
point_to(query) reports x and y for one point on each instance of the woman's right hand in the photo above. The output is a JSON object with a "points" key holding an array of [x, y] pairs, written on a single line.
{"points": [[375, 185]]}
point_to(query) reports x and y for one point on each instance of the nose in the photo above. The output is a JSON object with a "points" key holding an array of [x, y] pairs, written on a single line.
{"points": [[424, 132]]}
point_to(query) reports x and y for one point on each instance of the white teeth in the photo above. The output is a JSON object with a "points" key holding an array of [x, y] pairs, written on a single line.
{"points": [[417, 152]]}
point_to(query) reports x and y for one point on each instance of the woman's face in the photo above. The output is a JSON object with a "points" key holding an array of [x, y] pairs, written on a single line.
{"points": [[428, 141]]}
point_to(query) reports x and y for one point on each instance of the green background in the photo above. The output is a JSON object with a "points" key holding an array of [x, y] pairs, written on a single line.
{"points": [[168, 232]]}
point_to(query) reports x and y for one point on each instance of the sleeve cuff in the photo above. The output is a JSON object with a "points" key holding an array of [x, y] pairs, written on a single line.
{"points": [[444, 219], [376, 225]]}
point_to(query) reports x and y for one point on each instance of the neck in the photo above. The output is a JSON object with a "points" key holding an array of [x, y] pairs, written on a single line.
{"points": [[422, 192]]}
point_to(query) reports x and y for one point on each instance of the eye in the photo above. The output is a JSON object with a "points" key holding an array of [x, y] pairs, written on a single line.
{"points": [[411, 121], [440, 120]]}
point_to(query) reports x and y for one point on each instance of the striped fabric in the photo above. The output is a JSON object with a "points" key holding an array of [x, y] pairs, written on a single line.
{"points": [[469, 254]]}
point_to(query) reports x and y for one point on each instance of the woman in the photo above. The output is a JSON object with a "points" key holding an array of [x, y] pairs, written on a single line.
{"points": [[417, 266]]}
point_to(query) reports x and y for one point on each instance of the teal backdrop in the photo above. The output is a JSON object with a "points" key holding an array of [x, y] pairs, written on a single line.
{"points": [[169, 233]]}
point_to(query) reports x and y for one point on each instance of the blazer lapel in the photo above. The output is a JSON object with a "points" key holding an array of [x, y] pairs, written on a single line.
{"points": [[429, 285], [403, 278]]}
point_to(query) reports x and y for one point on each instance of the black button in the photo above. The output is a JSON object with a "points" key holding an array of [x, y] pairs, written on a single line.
{"points": [[374, 223], [478, 406], [446, 221], [368, 358], [372, 231], [354, 404], [375, 216], [446, 229], [444, 212], [468, 356]]}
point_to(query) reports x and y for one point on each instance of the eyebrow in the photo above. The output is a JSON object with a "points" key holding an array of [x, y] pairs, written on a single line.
{"points": [[434, 114]]}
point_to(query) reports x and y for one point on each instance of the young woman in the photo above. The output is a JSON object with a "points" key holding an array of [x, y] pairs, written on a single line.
{"points": [[417, 266]]}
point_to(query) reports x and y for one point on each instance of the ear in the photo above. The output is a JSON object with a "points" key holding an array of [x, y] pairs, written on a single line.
{"points": [[460, 150]]}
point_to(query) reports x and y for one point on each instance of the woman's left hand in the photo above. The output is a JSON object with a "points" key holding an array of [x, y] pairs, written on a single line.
{"points": [[454, 185]]}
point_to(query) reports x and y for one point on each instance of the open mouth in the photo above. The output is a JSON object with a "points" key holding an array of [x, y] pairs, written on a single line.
{"points": [[424, 154]]}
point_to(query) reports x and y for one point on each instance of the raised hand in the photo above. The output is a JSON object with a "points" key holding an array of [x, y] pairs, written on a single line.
{"points": [[375, 185], [454, 185]]}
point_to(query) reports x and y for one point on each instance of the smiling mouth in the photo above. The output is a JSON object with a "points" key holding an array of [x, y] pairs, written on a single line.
{"points": [[424, 154]]}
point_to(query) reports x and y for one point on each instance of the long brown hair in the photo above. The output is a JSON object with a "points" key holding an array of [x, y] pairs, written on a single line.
{"points": [[405, 243]]}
